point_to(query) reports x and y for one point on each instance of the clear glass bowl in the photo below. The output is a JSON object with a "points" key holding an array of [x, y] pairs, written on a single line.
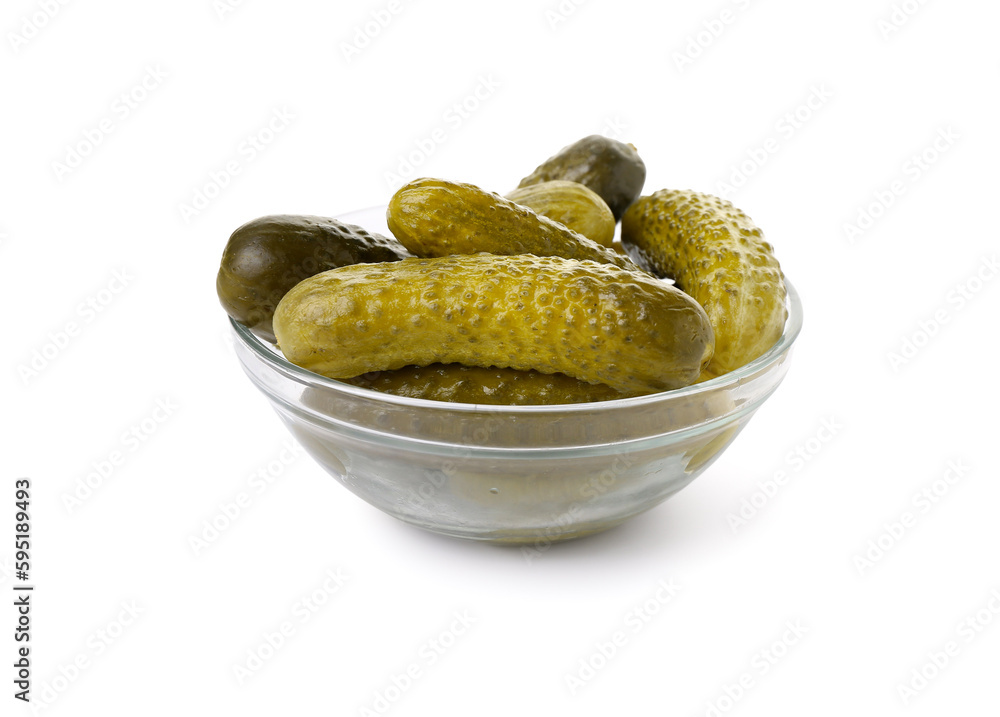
{"points": [[513, 474]]}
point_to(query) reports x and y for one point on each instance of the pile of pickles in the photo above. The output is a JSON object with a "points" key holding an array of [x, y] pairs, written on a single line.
{"points": [[520, 299]]}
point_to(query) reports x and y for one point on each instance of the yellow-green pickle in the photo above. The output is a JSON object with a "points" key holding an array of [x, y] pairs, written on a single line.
{"points": [[594, 322], [489, 386], [716, 254], [571, 204], [436, 217]]}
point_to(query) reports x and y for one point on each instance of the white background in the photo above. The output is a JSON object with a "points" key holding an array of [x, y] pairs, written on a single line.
{"points": [[897, 364]]}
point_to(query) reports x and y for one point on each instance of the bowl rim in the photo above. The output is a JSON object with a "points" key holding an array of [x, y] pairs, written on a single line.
{"points": [[273, 357]]}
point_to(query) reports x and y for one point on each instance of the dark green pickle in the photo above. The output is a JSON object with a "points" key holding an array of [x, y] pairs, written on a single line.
{"points": [[266, 257], [612, 169]]}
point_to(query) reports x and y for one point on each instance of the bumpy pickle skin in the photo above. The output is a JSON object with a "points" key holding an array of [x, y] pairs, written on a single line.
{"points": [[573, 205], [719, 256], [613, 169], [267, 256], [437, 217], [594, 322], [493, 386]]}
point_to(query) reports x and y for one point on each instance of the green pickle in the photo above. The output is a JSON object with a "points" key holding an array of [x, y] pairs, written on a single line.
{"points": [[266, 257], [571, 204], [612, 169], [436, 217], [489, 386], [716, 254], [591, 321]]}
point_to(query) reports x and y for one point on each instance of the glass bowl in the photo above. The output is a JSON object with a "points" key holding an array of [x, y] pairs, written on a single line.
{"points": [[513, 474]]}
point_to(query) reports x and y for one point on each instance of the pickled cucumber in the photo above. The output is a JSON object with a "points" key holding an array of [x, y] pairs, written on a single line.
{"points": [[266, 257], [493, 386], [591, 321], [613, 169], [571, 204], [716, 254], [435, 217]]}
